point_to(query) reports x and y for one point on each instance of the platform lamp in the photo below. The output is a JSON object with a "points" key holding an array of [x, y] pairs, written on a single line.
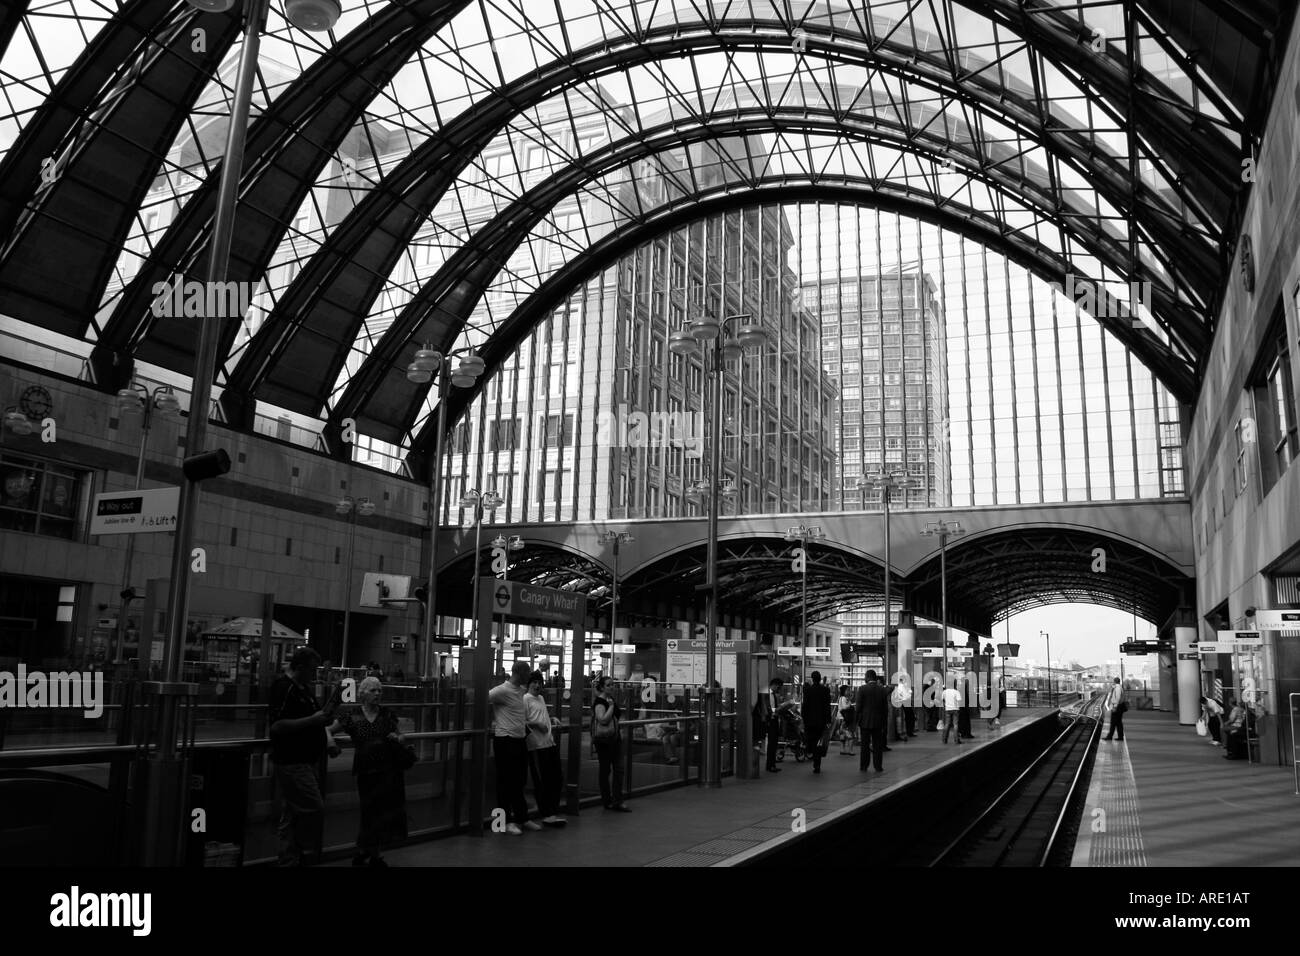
{"points": [[137, 399], [351, 508], [429, 362], [803, 535], [887, 483], [479, 502], [615, 538], [723, 342], [1051, 691], [943, 530]]}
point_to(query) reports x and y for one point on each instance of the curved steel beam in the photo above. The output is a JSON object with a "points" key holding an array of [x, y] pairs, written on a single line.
{"points": [[289, 145], [1173, 373], [358, 256], [60, 253], [438, 312], [70, 101]]}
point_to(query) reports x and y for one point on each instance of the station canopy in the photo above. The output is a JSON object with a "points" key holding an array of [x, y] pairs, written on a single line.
{"points": [[1108, 140]]}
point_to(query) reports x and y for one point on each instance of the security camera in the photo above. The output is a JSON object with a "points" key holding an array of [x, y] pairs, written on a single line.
{"points": [[211, 6], [1250, 611]]}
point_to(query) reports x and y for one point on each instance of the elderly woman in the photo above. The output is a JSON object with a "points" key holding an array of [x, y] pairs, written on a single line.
{"points": [[376, 765]]}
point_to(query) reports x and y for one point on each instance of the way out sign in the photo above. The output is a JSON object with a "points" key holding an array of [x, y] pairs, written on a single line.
{"points": [[135, 512]]}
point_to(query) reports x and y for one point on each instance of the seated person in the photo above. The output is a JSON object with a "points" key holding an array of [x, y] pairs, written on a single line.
{"points": [[672, 739], [1234, 731]]}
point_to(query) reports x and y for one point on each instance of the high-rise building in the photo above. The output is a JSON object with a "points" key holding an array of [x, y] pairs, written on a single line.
{"points": [[883, 345]]}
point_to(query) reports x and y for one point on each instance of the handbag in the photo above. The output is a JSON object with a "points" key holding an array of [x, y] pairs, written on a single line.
{"points": [[1201, 729], [402, 756], [601, 731]]}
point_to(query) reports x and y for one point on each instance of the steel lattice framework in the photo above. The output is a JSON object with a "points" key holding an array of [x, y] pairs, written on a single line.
{"points": [[1095, 138]]}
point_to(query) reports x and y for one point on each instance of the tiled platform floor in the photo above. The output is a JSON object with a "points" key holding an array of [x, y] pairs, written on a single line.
{"points": [[1170, 799]]}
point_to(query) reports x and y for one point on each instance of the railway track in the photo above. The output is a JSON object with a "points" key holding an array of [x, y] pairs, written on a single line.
{"points": [[1031, 823]]}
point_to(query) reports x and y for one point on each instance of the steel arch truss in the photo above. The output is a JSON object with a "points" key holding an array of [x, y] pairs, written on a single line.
{"points": [[994, 576]]}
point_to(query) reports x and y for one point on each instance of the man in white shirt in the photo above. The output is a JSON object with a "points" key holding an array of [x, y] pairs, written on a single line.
{"points": [[951, 707], [510, 749], [543, 754], [1116, 704]]}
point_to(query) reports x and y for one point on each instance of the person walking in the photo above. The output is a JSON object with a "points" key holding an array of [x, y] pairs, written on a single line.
{"points": [[872, 705], [1213, 711], [816, 717], [848, 722], [1116, 705], [543, 754], [376, 764], [951, 708], [510, 748], [608, 742], [298, 741]]}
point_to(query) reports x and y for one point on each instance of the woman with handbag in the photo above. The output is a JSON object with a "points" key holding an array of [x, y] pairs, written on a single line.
{"points": [[607, 741], [381, 757]]}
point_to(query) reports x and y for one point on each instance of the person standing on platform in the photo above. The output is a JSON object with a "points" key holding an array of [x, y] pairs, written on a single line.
{"points": [[872, 705], [608, 741], [767, 715], [816, 717], [381, 786], [1116, 705], [951, 708], [900, 701], [510, 748], [849, 723], [298, 741], [543, 754], [1213, 719]]}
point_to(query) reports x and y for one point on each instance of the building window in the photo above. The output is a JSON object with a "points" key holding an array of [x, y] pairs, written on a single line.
{"points": [[1274, 394], [504, 435], [39, 497], [555, 435]]}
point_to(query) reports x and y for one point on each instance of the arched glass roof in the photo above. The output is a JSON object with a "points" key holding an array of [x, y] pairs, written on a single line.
{"points": [[430, 169]]}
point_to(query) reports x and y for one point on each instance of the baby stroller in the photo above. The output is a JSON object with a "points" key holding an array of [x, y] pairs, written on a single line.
{"points": [[790, 735]]}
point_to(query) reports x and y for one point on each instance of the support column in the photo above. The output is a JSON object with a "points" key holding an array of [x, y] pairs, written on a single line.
{"points": [[1189, 667], [906, 638]]}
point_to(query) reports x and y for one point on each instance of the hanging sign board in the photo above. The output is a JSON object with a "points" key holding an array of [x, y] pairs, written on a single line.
{"points": [[135, 512]]}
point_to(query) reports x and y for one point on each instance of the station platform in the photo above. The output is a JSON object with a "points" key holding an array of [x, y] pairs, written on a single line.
{"points": [[1168, 798], [695, 826]]}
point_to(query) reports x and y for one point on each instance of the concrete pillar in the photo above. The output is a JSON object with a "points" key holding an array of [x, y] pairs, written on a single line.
{"points": [[1189, 675], [906, 643]]}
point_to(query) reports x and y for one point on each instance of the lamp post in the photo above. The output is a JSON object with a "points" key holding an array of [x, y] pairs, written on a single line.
{"points": [[347, 505], [479, 502], [886, 483], [803, 534], [1051, 691], [944, 531], [615, 538], [163, 800], [137, 398], [428, 363], [727, 345]]}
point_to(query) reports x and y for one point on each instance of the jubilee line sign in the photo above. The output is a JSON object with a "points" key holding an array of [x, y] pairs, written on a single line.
{"points": [[146, 511]]}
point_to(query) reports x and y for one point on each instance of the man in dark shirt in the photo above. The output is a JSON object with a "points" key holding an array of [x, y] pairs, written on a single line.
{"points": [[872, 705], [297, 744], [816, 717]]}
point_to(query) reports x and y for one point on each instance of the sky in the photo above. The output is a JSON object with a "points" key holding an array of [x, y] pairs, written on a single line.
{"points": [[1087, 633]]}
